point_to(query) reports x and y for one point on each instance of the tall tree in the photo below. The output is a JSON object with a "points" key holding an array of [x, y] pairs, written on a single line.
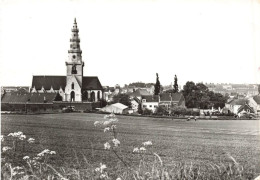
{"points": [[157, 85], [175, 86], [123, 99]]}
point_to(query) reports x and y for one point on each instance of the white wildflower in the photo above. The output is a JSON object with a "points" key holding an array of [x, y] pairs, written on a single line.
{"points": [[136, 150], [19, 133], [31, 140], [97, 169], [2, 138], [6, 148], [142, 149], [22, 137], [106, 117], [103, 176], [106, 129], [96, 123], [10, 134], [113, 120], [26, 157], [116, 142], [106, 123], [52, 152], [107, 145], [118, 178], [113, 126], [102, 167], [147, 143]]}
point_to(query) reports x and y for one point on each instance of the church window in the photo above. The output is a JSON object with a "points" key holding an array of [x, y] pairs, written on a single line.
{"points": [[73, 56], [72, 86], [74, 70]]}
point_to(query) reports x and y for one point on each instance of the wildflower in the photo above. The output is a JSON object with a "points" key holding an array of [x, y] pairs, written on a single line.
{"points": [[46, 151], [22, 137], [116, 142], [2, 138], [6, 148], [31, 140], [118, 178], [107, 145], [97, 169], [136, 150], [26, 157], [114, 120], [142, 149], [147, 143], [102, 176], [102, 167], [113, 126], [10, 134], [96, 123], [106, 129], [106, 123], [52, 152]]}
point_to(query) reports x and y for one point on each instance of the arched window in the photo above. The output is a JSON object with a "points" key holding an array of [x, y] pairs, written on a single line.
{"points": [[74, 70], [72, 86], [98, 95], [93, 96], [72, 96]]}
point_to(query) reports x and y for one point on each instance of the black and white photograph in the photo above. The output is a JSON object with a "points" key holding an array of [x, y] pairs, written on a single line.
{"points": [[130, 89]]}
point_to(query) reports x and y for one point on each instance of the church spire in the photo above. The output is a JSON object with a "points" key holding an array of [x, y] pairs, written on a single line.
{"points": [[75, 51]]}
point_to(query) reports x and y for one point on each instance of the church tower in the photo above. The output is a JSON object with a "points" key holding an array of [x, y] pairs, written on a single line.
{"points": [[74, 67]]}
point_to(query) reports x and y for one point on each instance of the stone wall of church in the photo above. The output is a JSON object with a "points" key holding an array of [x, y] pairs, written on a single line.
{"points": [[72, 87]]}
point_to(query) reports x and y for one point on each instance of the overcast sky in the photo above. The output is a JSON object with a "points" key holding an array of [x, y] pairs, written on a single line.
{"points": [[129, 41]]}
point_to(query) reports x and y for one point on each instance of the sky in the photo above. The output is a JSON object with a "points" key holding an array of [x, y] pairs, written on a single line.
{"points": [[210, 41]]}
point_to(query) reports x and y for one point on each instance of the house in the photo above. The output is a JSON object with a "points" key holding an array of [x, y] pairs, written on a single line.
{"points": [[150, 102], [245, 109], [135, 104], [139, 93], [257, 100], [117, 108], [171, 99], [235, 104]]}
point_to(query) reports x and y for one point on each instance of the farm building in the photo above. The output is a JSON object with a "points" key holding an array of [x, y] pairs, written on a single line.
{"points": [[117, 108]]}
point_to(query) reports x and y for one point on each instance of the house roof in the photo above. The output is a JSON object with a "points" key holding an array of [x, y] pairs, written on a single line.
{"points": [[91, 82], [57, 82], [119, 105], [28, 97], [257, 99], [171, 97], [237, 102], [151, 98], [245, 107], [140, 92]]}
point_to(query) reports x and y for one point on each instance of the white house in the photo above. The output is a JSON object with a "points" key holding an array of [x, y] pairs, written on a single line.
{"points": [[150, 102]]}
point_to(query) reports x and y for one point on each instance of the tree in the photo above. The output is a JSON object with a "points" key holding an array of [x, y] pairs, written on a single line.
{"points": [[122, 98], [157, 85], [140, 110], [175, 86]]}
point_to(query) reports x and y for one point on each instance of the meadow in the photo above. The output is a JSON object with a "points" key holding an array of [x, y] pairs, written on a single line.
{"points": [[78, 142]]}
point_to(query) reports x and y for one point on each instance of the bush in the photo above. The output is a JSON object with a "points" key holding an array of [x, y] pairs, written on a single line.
{"points": [[147, 112]]}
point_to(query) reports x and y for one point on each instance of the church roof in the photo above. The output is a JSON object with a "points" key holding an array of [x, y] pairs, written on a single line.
{"points": [[91, 82], [56, 82]]}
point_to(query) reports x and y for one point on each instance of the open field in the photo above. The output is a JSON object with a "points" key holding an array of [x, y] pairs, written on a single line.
{"points": [[72, 135]]}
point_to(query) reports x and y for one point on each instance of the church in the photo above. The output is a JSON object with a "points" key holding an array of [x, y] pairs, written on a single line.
{"points": [[74, 87]]}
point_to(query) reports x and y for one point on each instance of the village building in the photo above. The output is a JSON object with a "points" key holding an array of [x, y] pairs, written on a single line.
{"points": [[116, 108], [150, 102], [169, 100]]}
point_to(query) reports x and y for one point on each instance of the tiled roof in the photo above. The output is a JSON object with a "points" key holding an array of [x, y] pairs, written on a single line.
{"points": [[91, 82], [140, 92], [238, 102], [167, 96], [245, 107], [28, 97], [257, 99], [151, 98], [56, 82]]}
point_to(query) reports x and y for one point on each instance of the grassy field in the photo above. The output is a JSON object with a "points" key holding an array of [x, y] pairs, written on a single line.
{"points": [[73, 136]]}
